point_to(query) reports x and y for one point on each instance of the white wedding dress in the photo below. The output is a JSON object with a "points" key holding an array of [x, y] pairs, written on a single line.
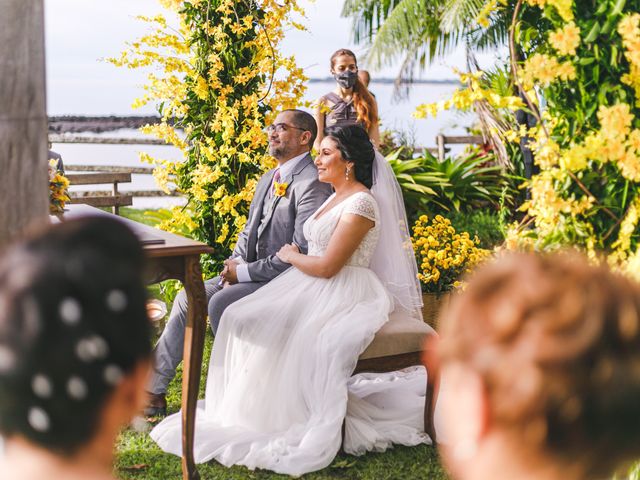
{"points": [[280, 386]]}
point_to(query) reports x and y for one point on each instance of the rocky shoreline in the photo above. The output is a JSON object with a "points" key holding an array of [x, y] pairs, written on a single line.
{"points": [[76, 124]]}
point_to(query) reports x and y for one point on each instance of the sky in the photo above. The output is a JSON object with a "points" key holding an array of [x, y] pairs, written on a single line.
{"points": [[80, 33]]}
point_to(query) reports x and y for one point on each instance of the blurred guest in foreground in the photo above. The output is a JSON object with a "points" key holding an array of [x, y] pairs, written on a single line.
{"points": [[74, 349], [541, 371]]}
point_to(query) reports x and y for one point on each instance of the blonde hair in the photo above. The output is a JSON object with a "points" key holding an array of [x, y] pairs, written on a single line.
{"points": [[556, 342]]}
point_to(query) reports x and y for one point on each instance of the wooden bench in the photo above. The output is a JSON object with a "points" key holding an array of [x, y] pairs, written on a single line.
{"points": [[403, 342], [113, 199]]}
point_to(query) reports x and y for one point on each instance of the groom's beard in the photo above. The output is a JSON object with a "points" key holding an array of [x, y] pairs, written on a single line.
{"points": [[280, 151]]}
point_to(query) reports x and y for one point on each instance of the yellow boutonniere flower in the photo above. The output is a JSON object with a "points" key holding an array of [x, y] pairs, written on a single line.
{"points": [[280, 189]]}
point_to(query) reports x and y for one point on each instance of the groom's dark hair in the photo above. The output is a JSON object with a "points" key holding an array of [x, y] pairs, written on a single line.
{"points": [[304, 120]]}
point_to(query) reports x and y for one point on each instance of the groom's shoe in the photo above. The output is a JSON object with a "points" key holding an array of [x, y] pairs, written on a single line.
{"points": [[156, 406]]}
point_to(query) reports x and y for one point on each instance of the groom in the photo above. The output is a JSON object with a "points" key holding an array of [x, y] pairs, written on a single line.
{"points": [[284, 198]]}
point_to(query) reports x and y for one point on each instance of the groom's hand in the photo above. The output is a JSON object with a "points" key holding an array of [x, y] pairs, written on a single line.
{"points": [[229, 273]]}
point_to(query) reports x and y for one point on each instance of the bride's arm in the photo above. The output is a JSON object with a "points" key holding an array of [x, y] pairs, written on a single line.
{"points": [[343, 243]]}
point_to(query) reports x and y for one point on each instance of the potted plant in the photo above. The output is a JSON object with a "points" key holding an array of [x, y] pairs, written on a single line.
{"points": [[443, 256]]}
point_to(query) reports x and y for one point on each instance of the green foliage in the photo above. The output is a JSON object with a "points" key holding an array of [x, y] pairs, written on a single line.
{"points": [[486, 225], [599, 67], [579, 107], [455, 184], [409, 29], [419, 31]]}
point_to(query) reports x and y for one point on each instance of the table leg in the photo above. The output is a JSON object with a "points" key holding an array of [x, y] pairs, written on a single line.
{"points": [[192, 360]]}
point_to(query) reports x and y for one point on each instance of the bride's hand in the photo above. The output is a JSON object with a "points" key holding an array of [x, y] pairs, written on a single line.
{"points": [[286, 252]]}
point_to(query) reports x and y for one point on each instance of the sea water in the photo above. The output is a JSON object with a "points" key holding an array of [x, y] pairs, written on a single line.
{"points": [[394, 115]]}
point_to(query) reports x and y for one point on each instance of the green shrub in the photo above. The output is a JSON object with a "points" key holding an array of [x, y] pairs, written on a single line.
{"points": [[487, 226], [456, 184]]}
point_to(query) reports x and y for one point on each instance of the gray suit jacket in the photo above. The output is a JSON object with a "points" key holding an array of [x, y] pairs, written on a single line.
{"points": [[258, 243]]}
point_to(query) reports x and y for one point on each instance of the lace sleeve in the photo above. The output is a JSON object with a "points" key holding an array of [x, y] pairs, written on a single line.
{"points": [[364, 205]]}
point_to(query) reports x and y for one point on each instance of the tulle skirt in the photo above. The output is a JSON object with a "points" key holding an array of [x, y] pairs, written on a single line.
{"points": [[280, 388]]}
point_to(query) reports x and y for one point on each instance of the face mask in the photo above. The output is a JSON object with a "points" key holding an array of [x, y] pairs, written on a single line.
{"points": [[346, 79]]}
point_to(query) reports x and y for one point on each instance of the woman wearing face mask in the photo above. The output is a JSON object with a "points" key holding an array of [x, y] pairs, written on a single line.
{"points": [[350, 103]]}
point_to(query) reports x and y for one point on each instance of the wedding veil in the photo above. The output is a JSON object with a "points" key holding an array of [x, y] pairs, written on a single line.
{"points": [[394, 260]]}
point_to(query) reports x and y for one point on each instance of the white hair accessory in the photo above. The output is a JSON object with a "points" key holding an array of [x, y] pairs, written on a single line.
{"points": [[116, 301], [77, 388], [92, 348], [113, 374], [41, 386], [70, 311], [38, 419]]}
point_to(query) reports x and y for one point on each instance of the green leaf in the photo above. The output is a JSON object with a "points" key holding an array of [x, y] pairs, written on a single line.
{"points": [[617, 8], [586, 61], [608, 25], [593, 33]]}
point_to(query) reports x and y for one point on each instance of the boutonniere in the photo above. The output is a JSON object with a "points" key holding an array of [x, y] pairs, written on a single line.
{"points": [[280, 189]]}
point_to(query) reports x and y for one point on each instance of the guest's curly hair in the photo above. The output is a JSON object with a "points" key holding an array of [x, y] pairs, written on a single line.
{"points": [[355, 146], [73, 323], [557, 344]]}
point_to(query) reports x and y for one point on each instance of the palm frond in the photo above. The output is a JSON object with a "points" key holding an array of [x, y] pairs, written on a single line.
{"points": [[459, 14], [367, 16]]}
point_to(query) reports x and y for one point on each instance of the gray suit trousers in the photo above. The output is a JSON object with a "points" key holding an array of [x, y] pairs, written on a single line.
{"points": [[169, 349]]}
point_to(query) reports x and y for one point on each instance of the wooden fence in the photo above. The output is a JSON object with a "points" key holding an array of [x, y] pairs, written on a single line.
{"points": [[110, 169]]}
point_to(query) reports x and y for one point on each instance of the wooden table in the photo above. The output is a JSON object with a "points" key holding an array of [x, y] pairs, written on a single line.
{"points": [[171, 256]]}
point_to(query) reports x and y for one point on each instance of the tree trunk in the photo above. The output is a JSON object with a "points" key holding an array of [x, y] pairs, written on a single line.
{"points": [[23, 121]]}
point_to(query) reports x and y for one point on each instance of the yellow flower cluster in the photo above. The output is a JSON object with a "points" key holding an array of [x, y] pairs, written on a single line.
{"points": [[627, 228], [443, 255], [222, 79], [485, 13], [563, 7], [614, 142], [631, 266], [58, 189], [542, 69], [565, 40], [548, 207], [464, 99], [630, 33]]}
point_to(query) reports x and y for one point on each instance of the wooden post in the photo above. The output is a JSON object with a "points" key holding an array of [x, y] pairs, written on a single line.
{"points": [[440, 146], [24, 197]]}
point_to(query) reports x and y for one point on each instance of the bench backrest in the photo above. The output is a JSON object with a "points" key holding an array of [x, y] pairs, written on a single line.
{"points": [[113, 199]]}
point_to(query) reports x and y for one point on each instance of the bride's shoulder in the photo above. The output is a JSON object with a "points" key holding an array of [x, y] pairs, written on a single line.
{"points": [[364, 204]]}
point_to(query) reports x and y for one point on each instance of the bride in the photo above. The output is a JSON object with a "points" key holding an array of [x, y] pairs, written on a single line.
{"points": [[278, 385]]}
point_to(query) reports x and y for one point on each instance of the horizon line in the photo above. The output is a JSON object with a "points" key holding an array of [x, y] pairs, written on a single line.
{"points": [[386, 80]]}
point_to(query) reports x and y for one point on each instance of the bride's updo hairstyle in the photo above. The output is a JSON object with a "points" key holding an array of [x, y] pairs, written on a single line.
{"points": [[556, 344], [355, 146], [73, 325]]}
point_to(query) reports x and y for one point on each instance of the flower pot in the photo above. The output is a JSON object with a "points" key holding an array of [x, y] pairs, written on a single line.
{"points": [[433, 304]]}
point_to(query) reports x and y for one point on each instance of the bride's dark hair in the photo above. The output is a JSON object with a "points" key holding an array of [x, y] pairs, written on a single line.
{"points": [[355, 146]]}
